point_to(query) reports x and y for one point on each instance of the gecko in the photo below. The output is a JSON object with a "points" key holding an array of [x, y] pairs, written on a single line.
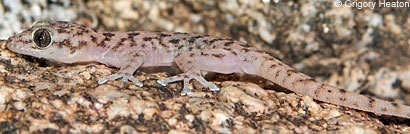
{"points": [[68, 42]]}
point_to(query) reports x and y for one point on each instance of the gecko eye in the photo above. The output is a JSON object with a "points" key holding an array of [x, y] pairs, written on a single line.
{"points": [[42, 38]]}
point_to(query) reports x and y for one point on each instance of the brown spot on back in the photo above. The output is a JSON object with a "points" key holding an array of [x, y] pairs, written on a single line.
{"points": [[133, 34], [234, 53], [218, 55], [180, 47], [228, 43], [119, 44], [244, 45], [384, 109], [79, 33], [343, 99], [180, 33], [81, 44], [163, 35], [342, 91], [330, 91], [62, 30], [132, 41], [108, 34], [197, 37], [215, 40], [73, 50], [259, 51], [160, 43], [191, 40], [136, 55], [245, 49], [65, 42], [174, 41], [204, 54], [101, 44], [123, 39], [93, 38], [227, 49], [147, 38]]}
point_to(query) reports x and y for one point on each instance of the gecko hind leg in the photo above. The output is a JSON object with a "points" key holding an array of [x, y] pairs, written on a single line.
{"points": [[186, 77], [192, 63]]}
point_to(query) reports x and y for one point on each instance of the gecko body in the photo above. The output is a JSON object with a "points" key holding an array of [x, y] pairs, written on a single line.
{"points": [[72, 43]]}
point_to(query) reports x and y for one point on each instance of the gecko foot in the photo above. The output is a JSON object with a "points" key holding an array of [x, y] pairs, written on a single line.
{"points": [[187, 77], [125, 78]]}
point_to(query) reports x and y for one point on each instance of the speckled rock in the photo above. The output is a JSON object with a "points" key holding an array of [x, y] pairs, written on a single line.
{"points": [[361, 50]]}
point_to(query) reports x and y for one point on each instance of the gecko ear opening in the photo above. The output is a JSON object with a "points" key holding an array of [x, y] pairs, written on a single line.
{"points": [[42, 38]]}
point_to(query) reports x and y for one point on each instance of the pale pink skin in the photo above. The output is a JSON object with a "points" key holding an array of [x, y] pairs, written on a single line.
{"points": [[129, 51]]}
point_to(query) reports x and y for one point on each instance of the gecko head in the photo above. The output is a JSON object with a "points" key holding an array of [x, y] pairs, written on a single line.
{"points": [[53, 40]]}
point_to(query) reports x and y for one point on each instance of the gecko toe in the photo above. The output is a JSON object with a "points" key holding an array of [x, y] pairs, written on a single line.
{"points": [[162, 82], [125, 78], [210, 85], [186, 77], [213, 87], [165, 81], [135, 81], [111, 77], [186, 89], [102, 81]]}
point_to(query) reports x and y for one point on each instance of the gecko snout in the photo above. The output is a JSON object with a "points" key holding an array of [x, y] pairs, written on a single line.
{"points": [[10, 43], [17, 44]]}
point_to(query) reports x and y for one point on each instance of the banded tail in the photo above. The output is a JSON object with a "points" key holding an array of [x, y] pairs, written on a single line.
{"points": [[285, 76]]}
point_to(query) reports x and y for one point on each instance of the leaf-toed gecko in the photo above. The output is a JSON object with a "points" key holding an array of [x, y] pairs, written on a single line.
{"points": [[71, 43]]}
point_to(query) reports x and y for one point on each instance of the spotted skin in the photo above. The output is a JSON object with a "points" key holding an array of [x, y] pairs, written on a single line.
{"points": [[72, 43]]}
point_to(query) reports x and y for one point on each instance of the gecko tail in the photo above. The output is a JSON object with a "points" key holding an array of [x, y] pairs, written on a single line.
{"points": [[285, 76]]}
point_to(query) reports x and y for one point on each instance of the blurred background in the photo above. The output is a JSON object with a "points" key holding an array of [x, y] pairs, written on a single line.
{"points": [[353, 46]]}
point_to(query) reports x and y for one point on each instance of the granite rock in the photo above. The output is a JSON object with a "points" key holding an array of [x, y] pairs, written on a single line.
{"points": [[362, 50]]}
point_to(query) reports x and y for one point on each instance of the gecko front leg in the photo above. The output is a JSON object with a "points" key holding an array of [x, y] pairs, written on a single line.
{"points": [[135, 60], [192, 63]]}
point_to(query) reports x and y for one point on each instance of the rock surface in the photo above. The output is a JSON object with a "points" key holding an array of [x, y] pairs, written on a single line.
{"points": [[362, 50]]}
